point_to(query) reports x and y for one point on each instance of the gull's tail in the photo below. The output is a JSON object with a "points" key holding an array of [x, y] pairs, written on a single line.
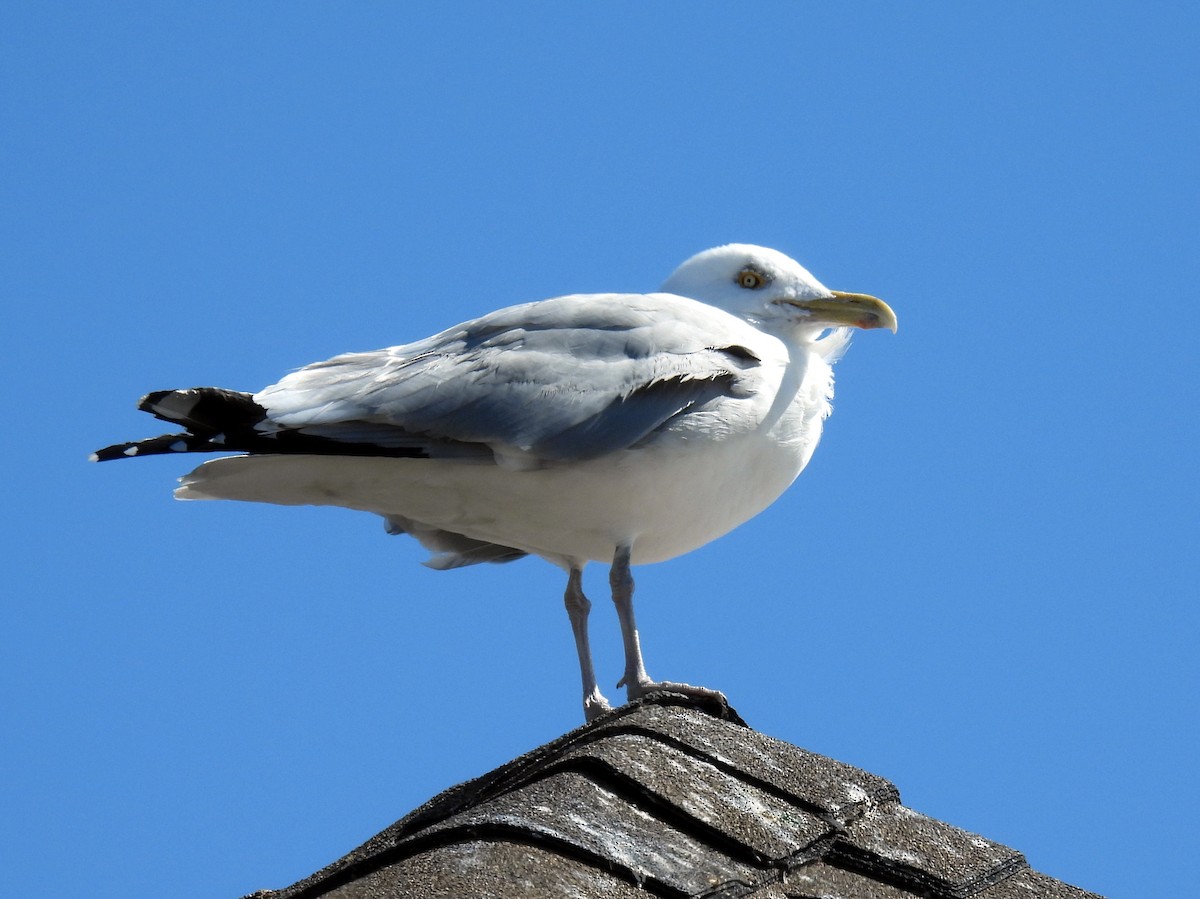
{"points": [[217, 420]]}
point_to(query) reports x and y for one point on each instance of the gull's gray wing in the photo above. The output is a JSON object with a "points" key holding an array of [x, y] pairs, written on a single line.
{"points": [[570, 378]]}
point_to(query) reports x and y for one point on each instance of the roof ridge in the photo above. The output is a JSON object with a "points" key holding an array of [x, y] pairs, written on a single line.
{"points": [[674, 799]]}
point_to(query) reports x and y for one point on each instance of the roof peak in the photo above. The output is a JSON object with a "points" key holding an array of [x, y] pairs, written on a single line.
{"points": [[670, 797]]}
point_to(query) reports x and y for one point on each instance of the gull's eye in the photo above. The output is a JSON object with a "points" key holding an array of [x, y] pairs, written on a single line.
{"points": [[750, 279]]}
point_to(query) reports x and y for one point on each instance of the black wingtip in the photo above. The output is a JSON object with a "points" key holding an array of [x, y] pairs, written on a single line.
{"points": [[150, 400], [165, 444], [227, 421], [204, 409], [116, 451]]}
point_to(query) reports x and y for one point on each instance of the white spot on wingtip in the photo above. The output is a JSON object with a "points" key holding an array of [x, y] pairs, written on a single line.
{"points": [[129, 451], [178, 446], [93, 458]]}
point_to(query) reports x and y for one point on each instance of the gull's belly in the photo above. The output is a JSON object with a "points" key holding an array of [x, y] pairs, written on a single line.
{"points": [[664, 504]]}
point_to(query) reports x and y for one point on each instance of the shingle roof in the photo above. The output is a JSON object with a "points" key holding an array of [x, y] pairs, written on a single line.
{"points": [[665, 798]]}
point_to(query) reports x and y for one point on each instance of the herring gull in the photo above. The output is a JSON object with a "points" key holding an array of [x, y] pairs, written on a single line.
{"points": [[620, 428]]}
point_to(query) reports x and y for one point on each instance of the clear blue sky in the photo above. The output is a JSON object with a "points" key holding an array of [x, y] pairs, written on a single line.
{"points": [[984, 587]]}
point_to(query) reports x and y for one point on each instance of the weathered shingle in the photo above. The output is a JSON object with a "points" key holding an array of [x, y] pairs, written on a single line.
{"points": [[675, 781], [665, 798]]}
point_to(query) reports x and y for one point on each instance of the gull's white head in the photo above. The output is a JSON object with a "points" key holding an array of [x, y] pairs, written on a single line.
{"points": [[772, 290]]}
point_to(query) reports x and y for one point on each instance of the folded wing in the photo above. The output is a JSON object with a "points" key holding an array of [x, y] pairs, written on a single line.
{"points": [[561, 380]]}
